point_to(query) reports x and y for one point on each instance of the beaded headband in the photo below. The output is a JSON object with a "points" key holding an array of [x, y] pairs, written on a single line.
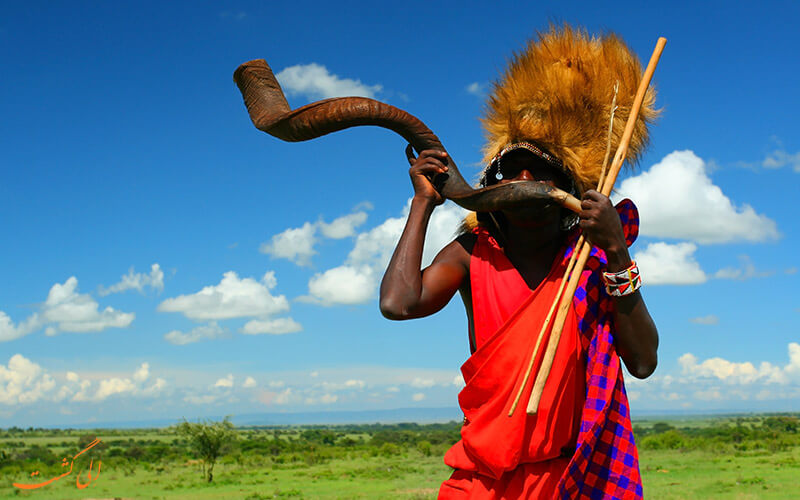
{"points": [[533, 149]]}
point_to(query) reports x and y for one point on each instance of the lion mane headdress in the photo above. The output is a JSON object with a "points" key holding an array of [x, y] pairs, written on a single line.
{"points": [[557, 94]]}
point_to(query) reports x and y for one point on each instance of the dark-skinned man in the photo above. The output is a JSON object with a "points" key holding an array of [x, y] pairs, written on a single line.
{"points": [[543, 125]]}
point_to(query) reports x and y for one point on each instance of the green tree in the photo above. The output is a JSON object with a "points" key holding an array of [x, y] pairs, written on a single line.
{"points": [[210, 440]]}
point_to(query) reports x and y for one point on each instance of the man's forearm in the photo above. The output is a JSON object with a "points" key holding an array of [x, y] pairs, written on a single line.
{"points": [[636, 333]]}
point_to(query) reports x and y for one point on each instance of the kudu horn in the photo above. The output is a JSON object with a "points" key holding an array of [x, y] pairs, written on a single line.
{"points": [[270, 112]]}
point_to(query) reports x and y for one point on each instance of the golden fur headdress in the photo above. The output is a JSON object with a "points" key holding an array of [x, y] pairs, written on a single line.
{"points": [[557, 94]]}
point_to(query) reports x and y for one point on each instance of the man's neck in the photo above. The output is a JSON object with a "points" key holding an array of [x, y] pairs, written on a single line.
{"points": [[534, 244]]}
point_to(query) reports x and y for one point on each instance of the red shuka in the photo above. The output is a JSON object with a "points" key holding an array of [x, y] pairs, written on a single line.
{"points": [[521, 456]]}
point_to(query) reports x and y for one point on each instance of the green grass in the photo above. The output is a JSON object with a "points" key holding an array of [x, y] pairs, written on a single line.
{"points": [[750, 457]]}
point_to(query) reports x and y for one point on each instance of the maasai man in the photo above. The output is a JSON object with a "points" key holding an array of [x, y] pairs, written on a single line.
{"points": [[547, 120]]}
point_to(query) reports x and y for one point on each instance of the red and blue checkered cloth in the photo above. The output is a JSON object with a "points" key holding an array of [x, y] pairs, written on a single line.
{"points": [[605, 464]]}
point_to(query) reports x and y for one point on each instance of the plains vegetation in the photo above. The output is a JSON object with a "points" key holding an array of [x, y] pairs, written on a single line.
{"points": [[755, 456]]}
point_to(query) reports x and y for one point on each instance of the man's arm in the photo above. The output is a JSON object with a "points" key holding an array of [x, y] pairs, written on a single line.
{"points": [[636, 336], [406, 292]]}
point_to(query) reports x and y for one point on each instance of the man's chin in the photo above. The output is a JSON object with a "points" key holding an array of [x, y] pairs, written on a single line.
{"points": [[536, 216]]}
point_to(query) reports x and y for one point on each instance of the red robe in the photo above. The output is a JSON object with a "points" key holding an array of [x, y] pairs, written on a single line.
{"points": [[521, 456]]}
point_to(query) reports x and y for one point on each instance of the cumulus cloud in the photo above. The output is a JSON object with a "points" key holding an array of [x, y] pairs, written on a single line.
{"points": [[297, 244], [277, 326], [328, 399], [670, 264], [744, 372], [677, 199], [422, 383], [315, 81], [418, 396], [107, 387], [231, 298], [23, 381], [355, 384], [747, 270], [226, 382], [705, 320], [137, 281], [356, 280], [204, 332], [344, 226], [10, 331], [75, 312], [249, 382], [780, 158], [342, 285]]}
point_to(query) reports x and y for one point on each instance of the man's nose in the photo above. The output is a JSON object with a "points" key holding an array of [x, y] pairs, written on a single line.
{"points": [[524, 175]]}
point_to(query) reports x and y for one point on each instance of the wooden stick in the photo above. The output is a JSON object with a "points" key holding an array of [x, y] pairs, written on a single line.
{"points": [[619, 159], [527, 376]]}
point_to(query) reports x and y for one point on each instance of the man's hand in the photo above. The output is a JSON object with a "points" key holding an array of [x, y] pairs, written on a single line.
{"points": [[423, 168], [600, 223]]}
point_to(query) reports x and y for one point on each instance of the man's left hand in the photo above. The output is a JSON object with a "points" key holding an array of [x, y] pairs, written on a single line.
{"points": [[600, 222]]}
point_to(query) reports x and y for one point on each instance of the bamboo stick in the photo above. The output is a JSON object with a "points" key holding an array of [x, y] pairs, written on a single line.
{"points": [[619, 159]]}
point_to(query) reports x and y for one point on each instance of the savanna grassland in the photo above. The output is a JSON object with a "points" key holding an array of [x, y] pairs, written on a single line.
{"points": [[722, 458]]}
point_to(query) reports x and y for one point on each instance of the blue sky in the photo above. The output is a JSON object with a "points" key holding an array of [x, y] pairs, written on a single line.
{"points": [[163, 258]]}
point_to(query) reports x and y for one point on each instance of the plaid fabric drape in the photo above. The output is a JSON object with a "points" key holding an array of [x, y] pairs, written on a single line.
{"points": [[605, 464]]}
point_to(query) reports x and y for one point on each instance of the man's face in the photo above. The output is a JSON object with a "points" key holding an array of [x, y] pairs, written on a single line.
{"points": [[522, 165]]}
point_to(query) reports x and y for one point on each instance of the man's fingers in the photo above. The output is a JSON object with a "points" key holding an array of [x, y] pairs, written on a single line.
{"points": [[410, 154]]}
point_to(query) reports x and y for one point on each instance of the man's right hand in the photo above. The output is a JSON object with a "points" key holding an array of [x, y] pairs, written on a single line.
{"points": [[423, 168]]}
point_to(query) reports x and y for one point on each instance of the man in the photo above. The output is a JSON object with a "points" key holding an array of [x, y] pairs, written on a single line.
{"points": [[542, 125]]}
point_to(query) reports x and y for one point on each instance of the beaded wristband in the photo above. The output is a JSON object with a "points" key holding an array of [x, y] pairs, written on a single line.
{"points": [[624, 282]]}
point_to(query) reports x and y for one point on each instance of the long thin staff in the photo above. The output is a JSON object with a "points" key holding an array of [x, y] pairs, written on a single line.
{"points": [[566, 299], [570, 264]]}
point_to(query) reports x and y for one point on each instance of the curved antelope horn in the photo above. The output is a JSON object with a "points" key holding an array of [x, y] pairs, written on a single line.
{"points": [[270, 112]]}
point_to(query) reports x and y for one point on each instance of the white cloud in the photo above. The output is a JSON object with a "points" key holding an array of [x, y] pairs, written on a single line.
{"points": [[23, 381], [203, 332], [272, 326], [422, 383], [780, 158], [476, 88], [277, 384], [74, 312], [226, 382], [142, 373], [137, 281], [249, 382], [356, 281], [231, 298], [745, 272], [354, 383], [677, 199], [329, 398], [458, 380], [80, 388], [113, 386], [669, 264], [282, 397], [315, 81], [342, 285], [9, 331], [418, 396], [742, 372], [705, 320], [296, 244], [343, 227]]}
